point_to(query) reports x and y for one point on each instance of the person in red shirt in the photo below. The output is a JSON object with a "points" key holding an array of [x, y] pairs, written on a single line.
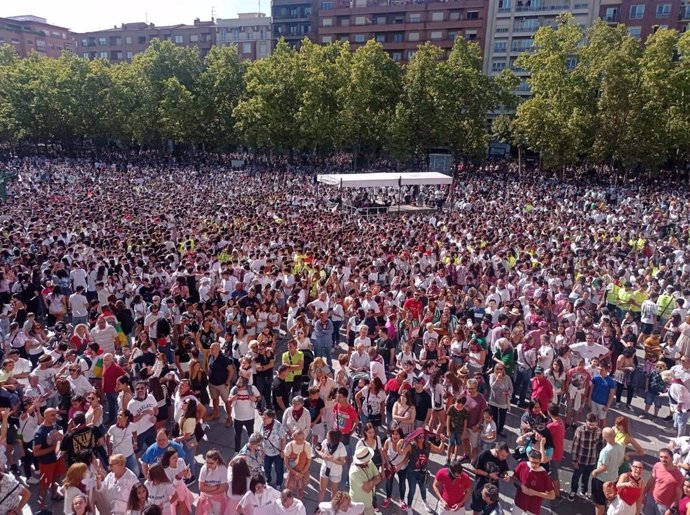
{"points": [[535, 485], [452, 486], [346, 420], [111, 372], [414, 305], [557, 429], [542, 389]]}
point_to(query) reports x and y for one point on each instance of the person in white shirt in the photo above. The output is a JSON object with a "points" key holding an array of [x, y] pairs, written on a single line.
{"points": [[259, 500], [376, 366], [144, 408], [590, 349], [288, 505], [105, 335], [341, 504], [79, 306]]}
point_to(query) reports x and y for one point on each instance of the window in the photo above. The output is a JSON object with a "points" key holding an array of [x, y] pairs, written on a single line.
{"points": [[380, 20], [611, 14], [415, 17], [194, 38], [84, 42], [246, 48], [411, 54], [497, 67], [85, 55], [360, 38], [472, 15], [327, 22], [635, 32], [128, 40], [504, 5], [437, 16], [345, 22], [397, 38], [102, 41], [500, 46], [326, 6], [360, 20], [663, 10], [470, 35], [454, 15], [263, 49], [452, 35], [413, 36], [397, 56], [103, 55], [15, 41], [129, 55], [380, 38], [141, 40], [436, 35], [40, 43], [637, 11], [179, 39], [399, 18], [326, 39], [570, 63]]}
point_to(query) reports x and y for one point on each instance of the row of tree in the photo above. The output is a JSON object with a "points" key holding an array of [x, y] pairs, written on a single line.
{"points": [[317, 99], [602, 97]]}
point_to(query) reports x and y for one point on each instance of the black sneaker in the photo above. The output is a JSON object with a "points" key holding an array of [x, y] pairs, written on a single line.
{"points": [[666, 419]]}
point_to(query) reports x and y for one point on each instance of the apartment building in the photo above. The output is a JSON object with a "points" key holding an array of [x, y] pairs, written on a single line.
{"points": [[251, 32], [402, 25], [293, 20], [123, 43], [643, 17], [512, 24], [29, 33]]}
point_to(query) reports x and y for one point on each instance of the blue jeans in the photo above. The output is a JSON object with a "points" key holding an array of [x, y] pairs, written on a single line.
{"points": [[414, 478], [277, 462], [336, 331], [167, 350], [80, 320], [132, 463], [111, 402], [680, 422], [323, 350], [189, 459], [350, 448], [522, 379], [145, 439]]}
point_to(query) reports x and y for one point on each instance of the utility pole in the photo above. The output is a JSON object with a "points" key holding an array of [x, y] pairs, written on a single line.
{"points": [[213, 13]]}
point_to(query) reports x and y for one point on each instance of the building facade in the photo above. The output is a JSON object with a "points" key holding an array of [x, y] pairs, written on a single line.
{"points": [[643, 17], [28, 34], [294, 20], [251, 32], [402, 25], [512, 25], [123, 43]]}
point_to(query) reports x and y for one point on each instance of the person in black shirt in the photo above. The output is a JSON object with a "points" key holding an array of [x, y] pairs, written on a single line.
{"points": [[220, 373], [315, 406], [80, 438], [264, 375], [422, 403], [281, 392], [489, 467]]}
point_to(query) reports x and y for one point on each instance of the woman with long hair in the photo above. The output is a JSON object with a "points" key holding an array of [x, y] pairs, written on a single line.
{"points": [[198, 382], [177, 471], [120, 439], [404, 412], [138, 499], [396, 452], [123, 385], [334, 455], [260, 497], [73, 484], [161, 491], [80, 506], [213, 486], [187, 427], [298, 455], [239, 479], [624, 437]]}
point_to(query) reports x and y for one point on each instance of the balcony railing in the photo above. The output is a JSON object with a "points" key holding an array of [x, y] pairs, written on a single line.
{"points": [[526, 28], [612, 18], [528, 8]]}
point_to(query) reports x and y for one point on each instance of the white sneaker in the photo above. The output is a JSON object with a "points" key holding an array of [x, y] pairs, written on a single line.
{"points": [[428, 507], [33, 480]]}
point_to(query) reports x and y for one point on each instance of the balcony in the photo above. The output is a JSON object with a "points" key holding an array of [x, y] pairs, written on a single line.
{"points": [[541, 8], [612, 18], [526, 28]]}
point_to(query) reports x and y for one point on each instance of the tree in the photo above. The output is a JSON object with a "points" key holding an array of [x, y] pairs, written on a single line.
{"points": [[219, 88], [368, 98], [554, 120], [465, 97], [325, 70], [267, 113], [415, 128], [679, 111]]}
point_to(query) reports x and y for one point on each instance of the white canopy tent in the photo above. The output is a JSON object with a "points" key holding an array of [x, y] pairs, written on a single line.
{"points": [[373, 180]]}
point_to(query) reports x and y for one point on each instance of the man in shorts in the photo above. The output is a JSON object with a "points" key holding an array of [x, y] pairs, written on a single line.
{"points": [[220, 372], [602, 393], [51, 468]]}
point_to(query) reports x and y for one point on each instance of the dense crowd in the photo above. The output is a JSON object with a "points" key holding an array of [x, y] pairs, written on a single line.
{"points": [[143, 304]]}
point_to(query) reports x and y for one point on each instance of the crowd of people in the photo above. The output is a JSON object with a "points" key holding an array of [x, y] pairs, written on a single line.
{"points": [[143, 305]]}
